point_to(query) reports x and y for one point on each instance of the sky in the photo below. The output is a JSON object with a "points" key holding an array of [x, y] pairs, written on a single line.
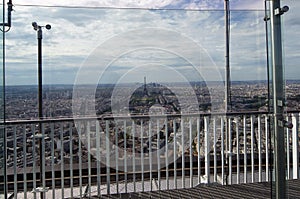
{"points": [[109, 45]]}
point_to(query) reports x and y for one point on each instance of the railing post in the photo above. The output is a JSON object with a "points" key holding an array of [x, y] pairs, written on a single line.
{"points": [[207, 149], [215, 149], [107, 150], [229, 152], [288, 147], [278, 100], [182, 154], [222, 150], [245, 149], [267, 146], [191, 152], [252, 147], [237, 150], [295, 121], [259, 148], [175, 154]]}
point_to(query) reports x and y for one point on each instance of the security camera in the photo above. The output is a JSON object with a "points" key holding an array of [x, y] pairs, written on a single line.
{"points": [[35, 26]]}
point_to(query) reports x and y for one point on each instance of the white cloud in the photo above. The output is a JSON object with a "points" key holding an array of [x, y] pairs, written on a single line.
{"points": [[77, 32], [103, 3], [247, 4], [186, 4]]}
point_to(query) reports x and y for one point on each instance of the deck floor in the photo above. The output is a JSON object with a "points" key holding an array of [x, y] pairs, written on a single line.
{"points": [[249, 190]]}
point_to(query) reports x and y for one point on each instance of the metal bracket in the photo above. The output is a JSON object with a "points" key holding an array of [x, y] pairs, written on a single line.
{"points": [[267, 18], [280, 123], [9, 10], [286, 124], [279, 103], [280, 11]]}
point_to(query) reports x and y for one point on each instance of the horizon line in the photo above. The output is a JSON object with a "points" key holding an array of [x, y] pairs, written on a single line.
{"points": [[87, 84]]}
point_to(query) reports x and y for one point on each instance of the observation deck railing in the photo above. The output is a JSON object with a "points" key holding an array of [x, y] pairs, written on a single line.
{"points": [[106, 155]]}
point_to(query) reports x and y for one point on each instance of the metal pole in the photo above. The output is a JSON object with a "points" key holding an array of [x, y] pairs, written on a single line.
{"points": [[3, 110], [227, 58], [40, 77], [278, 96], [40, 103], [227, 82], [40, 135]]}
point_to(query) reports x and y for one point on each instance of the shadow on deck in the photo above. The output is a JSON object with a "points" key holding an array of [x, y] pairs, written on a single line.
{"points": [[249, 190]]}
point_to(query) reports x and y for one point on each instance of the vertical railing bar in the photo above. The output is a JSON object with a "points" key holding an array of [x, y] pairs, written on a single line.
{"points": [[198, 149], [215, 149], [175, 153], [98, 137], [133, 156], [182, 154], [107, 150], [150, 153], [252, 148], [52, 160], [226, 147], [71, 160], [158, 154], [259, 148], [43, 183], [167, 153], [34, 160], [287, 151], [88, 131], [142, 156], [237, 150], [62, 160], [267, 147], [230, 149], [191, 151], [125, 155], [80, 156], [15, 163], [25, 162], [222, 150], [207, 149], [245, 148], [295, 121], [117, 156]]}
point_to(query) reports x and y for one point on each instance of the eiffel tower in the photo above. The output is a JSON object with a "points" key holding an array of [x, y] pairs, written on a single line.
{"points": [[145, 87]]}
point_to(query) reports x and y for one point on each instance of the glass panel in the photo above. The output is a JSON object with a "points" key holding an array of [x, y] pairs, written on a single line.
{"points": [[292, 85], [291, 54], [182, 49], [270, 108], [248, 61], [120, 62], [70, 44]]}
